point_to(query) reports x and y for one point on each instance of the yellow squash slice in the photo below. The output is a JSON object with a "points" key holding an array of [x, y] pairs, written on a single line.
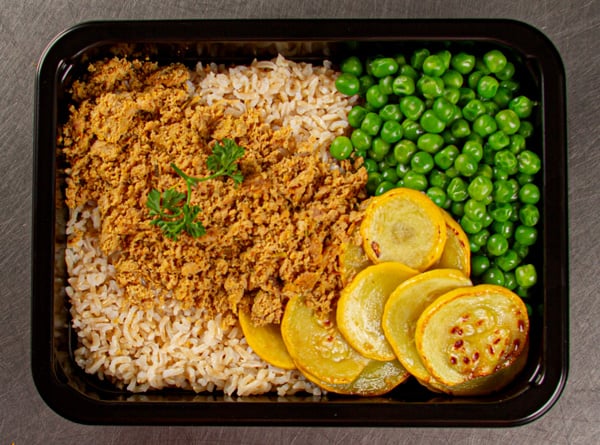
{"points": [[317, 346], [360, 308], [472, 332], [404, 307], [481, 386], [457, 252], [405, 226], [376, 379], [267, 342], [353, 259]]}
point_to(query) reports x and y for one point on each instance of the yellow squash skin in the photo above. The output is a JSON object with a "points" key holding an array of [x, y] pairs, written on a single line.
{"points": [[472, 332], [457, 251], [361, 304], [376, 379], [317, 346], [266, 342], [404, 307]]}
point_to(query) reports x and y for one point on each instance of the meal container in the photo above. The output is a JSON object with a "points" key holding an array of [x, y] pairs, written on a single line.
{"points": [[84, 398]]}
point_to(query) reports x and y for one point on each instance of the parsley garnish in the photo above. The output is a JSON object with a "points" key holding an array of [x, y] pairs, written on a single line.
{"points": [[172, 214]]}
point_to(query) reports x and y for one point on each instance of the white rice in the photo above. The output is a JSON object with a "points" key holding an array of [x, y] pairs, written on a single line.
{"points": [[141, 349]]}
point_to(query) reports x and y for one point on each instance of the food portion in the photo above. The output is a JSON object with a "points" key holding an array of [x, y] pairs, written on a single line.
{"points": [[285, 227]]}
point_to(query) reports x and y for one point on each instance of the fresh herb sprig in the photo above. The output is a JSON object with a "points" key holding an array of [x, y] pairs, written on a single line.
{"points": [[172, 209]]}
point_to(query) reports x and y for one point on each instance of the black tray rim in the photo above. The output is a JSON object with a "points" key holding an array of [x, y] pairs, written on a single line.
{"points": [[540, 396]]}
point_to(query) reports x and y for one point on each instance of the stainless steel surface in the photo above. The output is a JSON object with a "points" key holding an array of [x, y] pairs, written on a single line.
{"points": [[25, 29]]}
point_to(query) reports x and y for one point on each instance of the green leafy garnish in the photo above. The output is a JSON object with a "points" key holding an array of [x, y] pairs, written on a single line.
{"points": [[172, 214]]}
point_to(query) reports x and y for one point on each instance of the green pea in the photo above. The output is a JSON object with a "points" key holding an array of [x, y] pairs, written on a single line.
{"points": [[433, 65], [430, 142], [460, 128], [356, 116], [502, 97], [498, 140], [485, 170], [497, 245], [529, 162], [371, 165], [517, 143], [500, 173], [431, 123], [384, 66], [403, 85], [360, 140], [445, 158], [466, 164], [526, 275], [385, 85], [491, 107], [430, 87], [457, 208], [412, 107], [480, 187], [373, 181], [510, 84], [463, 62], [366, 82], [390, 160], [521, 250], [418, 57], [508, 121], [529, 215], [510, 282], [390, 112], [409, 71], [401, 170], [404, 150], [479, 264], [493, 276], [452, 94], [501, 211], [445, 56], [391, 131], [475, 210], [494, 60], [522, 106], [526, 129], [505, 160], [341, 147], [529, 193], [379, 148], [474, 78], [371, 124], [457, 189], [466, 96], [384, 186], [474, 149], [484, 125], [352, 65], [443, 109], [439, 179], [507, 72], [508, 261], [473, 109], [525, 235], [504, 228], [414, 180], [480, 238], [389, 174], [470, 226], [375, 97], [448, 137], [452, 78], [411, 129], [487, 87], [347, 84], [422, 162]]}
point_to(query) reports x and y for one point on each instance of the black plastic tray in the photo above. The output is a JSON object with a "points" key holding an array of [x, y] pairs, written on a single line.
{"points": [[83, 398]]}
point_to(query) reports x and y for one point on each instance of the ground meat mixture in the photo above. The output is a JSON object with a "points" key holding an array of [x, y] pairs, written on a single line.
{"points": [[276, 235]]}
